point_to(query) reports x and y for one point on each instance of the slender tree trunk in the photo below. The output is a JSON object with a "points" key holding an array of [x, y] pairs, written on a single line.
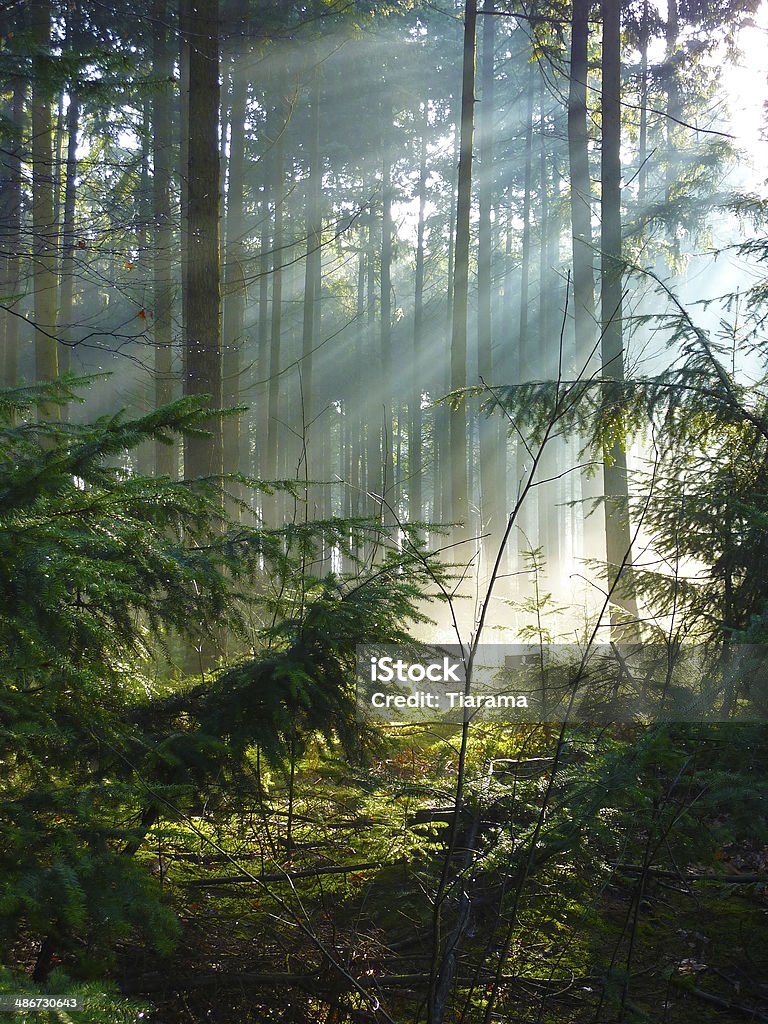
{"points": [[583, 254], [415, 463], [312, 286], [68, 240], [66, 217], [264, 324], [618, 537], [642, 174], [278, 242], [549, 494], [166, 458], [672, 31], [390, 490], [581, 187], [201, 284], [233, 319], [374, 476], [10, 233], [354, 411], [490, 428], [442, 383], [526, 368], [43, 226], [458, 416]]}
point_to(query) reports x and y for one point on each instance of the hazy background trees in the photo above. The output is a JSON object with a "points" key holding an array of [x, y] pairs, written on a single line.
{"points": [[312, 211]]}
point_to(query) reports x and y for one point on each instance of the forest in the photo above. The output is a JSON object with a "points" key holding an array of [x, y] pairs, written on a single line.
{"points": [[352, 349]]}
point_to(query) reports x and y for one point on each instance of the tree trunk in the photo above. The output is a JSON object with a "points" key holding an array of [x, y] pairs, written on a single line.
{"points": [[526, 368], [312, 285], [415, 470], [166, 458], [458, 416], [68, 241], [43, 226], [583, 254], [490, 428], [642, 173], [581, 188], [390, 488], [373, 460], [264, 324], [10, 234], [671, 33], [201, 283], [278, 241], [618, 537], [234, 278]]}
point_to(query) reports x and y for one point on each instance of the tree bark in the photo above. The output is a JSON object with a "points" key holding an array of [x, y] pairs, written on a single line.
{"points": [[617, 530], [166, 457], [278, 241], [390, 488], [490, 428], [10, 233], [458, 416], [233, 321], [415, 464], [581, 186], [312, 285], [43, 227], [201, 286]]}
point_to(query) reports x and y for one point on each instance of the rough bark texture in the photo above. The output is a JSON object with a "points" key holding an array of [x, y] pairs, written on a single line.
{"points": [[166, 460], [10, 234], [43, 227], [202, 297]]}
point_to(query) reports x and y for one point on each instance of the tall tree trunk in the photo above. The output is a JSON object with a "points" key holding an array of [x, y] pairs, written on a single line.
{"points": [[583, 254], [458, 417], [201, 283], [390, 491], [264, 324], [373, 459], [278, 257], [166, 457], [68, 241], [581, 188], [526, 368], [441, 429], [671, 33], [354, 410], [642, 173], [415, 463], [10, 234], [233, 318], [490, 428], [43, 226], [549, 494], [312, 285], [618, 537]]}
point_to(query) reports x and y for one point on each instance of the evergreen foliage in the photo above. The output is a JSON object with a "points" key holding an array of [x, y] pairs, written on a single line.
{"points": [[100, 570]]}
